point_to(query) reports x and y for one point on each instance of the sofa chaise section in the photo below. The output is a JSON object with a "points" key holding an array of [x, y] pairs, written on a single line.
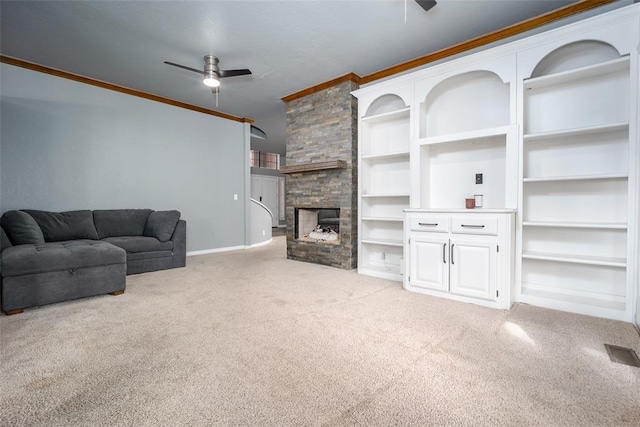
{"points": [[34, 275]]}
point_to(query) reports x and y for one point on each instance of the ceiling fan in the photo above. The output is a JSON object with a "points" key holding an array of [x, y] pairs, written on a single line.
{"points": [[211, 73], [426, 4]]}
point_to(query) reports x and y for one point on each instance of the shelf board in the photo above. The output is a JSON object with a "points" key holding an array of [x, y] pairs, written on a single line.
{"points": [[618, 64], [576, 259], [578, 177], [595, 225], [382, 273], [466, 136], [588, 130], [386, 195], [382, 218], [384, 156], [387, 116], [315, 166], [385, 242], [561, 298]]}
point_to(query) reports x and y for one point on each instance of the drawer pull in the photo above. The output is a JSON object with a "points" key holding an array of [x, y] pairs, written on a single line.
{"points": [[472, 226], [427, 224]]}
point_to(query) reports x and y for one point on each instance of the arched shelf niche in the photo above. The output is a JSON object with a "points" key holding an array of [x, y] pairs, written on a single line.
{"points": [[575, 55], [466, 102], [580, 84], [385, 104]]}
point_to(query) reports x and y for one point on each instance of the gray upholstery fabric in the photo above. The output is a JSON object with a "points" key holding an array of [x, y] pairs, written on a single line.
{"points": [[21, 228], [161, 224], [59, 226], [120, 222], [148, 255], [55, 286], [4, 240], [135, 244], [57, 256], [147, 265], [179, 239]]}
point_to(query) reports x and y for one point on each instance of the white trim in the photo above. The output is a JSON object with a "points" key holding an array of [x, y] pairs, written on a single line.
{"points": [[228, 249], [255, 245], [211, 251]]}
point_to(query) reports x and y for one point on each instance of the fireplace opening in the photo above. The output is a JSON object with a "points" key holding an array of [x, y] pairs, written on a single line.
{"points": [[317, 225]]}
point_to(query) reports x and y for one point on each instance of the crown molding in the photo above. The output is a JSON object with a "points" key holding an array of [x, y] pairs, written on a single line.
{"points": [[483, 40], [110, 86], [351, 77]]}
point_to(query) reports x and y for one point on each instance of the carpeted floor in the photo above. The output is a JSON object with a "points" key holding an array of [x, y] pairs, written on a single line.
{"points": [[250, 338]]}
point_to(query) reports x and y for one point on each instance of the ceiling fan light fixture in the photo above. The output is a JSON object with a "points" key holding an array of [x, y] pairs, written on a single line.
{"points": [[211, 80]]}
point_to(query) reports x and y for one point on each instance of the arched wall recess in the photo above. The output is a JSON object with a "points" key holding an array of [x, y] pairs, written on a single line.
{"points": [[466, 102], [605, 42], [575, 55], [385, 104]]}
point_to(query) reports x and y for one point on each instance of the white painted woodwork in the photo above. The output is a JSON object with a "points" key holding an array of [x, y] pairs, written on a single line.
{"points": [[467, 256], [551, 121]]}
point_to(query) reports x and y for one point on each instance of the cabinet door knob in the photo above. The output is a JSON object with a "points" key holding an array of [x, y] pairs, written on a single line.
{"points": [[427, 224]]}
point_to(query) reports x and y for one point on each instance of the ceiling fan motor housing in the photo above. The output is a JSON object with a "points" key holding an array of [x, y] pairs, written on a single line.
{"points": [[211, 66]]}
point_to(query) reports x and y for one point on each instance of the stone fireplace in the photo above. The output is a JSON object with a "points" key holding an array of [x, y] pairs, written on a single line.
{"points": [[321, 168]]}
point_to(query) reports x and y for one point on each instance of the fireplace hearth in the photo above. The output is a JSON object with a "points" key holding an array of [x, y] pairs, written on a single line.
{"points": [[319, 225]]}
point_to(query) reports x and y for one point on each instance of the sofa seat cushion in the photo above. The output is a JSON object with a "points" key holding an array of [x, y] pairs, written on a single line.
{"points": [[56, 256], [136, 244]]}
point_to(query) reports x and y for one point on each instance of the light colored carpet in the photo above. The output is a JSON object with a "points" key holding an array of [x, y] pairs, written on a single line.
{"points": [[250, 338]]}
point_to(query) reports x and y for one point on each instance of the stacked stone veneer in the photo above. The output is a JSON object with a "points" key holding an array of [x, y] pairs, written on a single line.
{"points": [[321, 127]]}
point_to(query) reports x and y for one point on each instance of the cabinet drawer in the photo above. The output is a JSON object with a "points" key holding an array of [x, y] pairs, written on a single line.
{"points": [[438, 224], [474, 226]]}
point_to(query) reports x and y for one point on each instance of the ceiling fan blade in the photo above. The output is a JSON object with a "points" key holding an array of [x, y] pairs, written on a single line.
{"points": [[426, 4], [183, 67], [233, 73]]}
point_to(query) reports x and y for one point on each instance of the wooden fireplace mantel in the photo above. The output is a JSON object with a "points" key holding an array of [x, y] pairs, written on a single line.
{"points": [[315, 166]]}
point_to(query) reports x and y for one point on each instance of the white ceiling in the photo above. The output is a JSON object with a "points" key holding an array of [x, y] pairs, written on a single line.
{"points": [[288, 45]]}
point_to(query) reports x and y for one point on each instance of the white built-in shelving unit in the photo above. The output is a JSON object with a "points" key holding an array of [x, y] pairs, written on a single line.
{"points": [[551, 122], [384, 184], [575, 180]]}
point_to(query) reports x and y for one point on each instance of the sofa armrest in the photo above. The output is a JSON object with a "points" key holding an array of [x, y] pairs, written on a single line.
{"points": [[179, 240]]}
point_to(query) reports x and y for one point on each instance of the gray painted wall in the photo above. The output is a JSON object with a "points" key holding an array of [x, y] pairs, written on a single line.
{"points": [[67, 145]]}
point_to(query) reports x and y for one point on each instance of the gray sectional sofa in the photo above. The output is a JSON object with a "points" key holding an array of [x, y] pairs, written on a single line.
{"points": [[48, 257]]}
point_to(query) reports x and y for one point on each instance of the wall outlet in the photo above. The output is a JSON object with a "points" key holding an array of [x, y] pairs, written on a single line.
{"points": [[235, 197], [264, 233], [478, 178]]}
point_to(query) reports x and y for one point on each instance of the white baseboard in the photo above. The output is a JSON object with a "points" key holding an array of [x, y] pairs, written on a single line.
{"points": [[212, 251], [227, 249], [255, 245]]}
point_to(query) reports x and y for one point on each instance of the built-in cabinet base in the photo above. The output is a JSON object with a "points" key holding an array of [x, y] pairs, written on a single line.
{"points": [[465, 255]]}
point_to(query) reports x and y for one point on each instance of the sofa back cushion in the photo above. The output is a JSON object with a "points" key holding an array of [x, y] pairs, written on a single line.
{"points": [[21, 228], [4, 240], [161, 225], [120, 222], [58, 226]]}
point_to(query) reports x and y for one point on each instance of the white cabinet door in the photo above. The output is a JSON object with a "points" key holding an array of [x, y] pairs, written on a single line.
{"points": [[429, 263], [473, 269]]}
